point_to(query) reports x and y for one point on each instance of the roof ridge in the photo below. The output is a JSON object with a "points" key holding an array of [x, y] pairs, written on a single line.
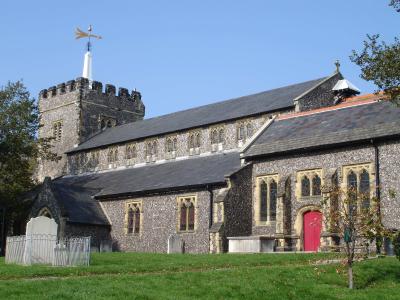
{"points": [[226, 100], [343, 105]]}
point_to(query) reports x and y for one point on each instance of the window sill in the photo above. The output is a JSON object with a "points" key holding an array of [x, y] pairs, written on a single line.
{"points": [[265, 223], [186, 231], [310, 198]]}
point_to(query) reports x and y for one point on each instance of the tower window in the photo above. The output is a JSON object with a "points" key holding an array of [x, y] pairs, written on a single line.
{"points": [[57, 130]]}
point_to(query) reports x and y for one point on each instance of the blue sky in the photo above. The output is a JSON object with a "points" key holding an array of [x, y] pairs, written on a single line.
{"points": [[182, 54]]}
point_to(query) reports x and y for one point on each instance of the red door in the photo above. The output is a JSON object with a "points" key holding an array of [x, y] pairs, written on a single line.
{"points": [[312, 230]]}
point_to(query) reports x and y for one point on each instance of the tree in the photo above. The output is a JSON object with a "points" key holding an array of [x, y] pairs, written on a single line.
{"points": [[355, 218], [380, 63], [19, 147]]}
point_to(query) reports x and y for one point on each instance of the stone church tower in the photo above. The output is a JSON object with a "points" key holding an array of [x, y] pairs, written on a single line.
{"points": [[73, 111]]}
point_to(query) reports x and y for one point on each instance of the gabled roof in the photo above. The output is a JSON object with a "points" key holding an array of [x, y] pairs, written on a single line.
{"points": [[268, 101], [192, 172], [335, 126]]}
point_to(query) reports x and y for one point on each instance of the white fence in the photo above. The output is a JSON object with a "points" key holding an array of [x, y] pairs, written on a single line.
{"points": [[46, 249]]}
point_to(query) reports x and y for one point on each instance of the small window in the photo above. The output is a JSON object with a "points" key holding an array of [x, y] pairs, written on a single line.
{"points": [[316, 186], [133, 217], [263, 201], [309, 183], [273, 191], [214, 137], [365, 189], [57, 130], [187, 213], [305, 186], [249, 128], [221, 136], [352, 190]]}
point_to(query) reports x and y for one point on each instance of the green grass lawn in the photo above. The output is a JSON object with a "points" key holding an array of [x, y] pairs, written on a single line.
{"points": [[226, 276]]}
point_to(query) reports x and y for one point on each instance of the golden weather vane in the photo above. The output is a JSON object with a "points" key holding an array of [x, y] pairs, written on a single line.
{"points": [[81, 34]]}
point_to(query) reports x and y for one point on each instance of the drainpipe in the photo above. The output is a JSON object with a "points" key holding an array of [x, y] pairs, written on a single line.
{"points": [[377, 190], [211, 206]]}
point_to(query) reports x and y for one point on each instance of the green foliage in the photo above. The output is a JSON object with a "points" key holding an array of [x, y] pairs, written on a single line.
{"points": [[396, 244], [227, 276], [19, 147], [380, 64], [395, 4]]}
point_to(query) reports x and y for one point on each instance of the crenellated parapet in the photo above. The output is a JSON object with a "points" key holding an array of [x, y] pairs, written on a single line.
{"points": [[84, 86]]}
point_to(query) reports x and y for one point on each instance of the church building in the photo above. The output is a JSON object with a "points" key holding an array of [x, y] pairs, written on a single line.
{"points": [[252, 167]]}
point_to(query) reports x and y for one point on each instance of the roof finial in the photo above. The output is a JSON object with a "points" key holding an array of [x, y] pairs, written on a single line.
{"points": [[87, 65], [337, 64]]}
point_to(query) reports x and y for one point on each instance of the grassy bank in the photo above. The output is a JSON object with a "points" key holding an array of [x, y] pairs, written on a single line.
{"points": [[161, 276]]}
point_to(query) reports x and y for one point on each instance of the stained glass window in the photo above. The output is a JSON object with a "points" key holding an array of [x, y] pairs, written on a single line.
{"points": [[263, 201], [305, 186], [273, 189], [316, 186]]}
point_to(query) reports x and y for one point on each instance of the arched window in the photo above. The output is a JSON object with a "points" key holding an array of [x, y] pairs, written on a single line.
{"points": [[191, 141], [131, 216], [191, 216], [241, 132], [305, 186], [187, 213], [115, 159], [249, 128], [137, 220], [316, 186], [365, 188], [263, 201], [198, 141], [273, 190], [109, 124], [214, 137], [154, 148], [45, 212], [221, 136], [169, 145], [352, 190], [110, 156]]}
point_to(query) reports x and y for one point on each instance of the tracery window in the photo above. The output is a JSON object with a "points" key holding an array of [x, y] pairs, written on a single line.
{"points": [[171, 147], [133, 216], [267, 199], [194, 141], [57, 130], [217, 138], [112, 156], [130, 151], [151, 151], [358, 180], [187, 213], [244, 131], [309, 183]]}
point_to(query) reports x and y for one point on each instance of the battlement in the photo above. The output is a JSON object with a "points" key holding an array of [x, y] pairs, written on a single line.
{"points": [[82, 84]]}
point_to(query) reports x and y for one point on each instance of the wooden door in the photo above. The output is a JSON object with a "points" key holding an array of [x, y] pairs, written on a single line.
{"points": [[312, 230]]}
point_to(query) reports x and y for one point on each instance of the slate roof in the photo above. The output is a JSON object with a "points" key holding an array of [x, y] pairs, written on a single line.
{"points": [[77, 202], [193, 172], [271, 100], [332, 127]]}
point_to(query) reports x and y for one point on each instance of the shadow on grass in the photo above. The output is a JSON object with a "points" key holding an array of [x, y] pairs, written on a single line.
{"points": [[381, 270]]}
